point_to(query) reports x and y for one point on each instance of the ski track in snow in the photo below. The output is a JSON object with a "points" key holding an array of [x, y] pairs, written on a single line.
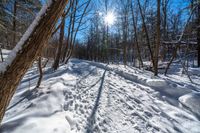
{"points": [[103, 101], [106, 102]]}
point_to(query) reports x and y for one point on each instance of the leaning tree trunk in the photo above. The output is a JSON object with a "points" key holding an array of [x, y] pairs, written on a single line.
{"points": [[31, 48], [174, 54], [146, 33]]}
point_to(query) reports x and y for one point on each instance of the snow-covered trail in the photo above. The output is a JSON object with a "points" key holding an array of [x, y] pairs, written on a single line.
{"points": [[107, 102], [86, 97]]}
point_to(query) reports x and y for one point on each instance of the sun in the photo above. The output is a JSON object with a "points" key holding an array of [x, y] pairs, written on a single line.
{"points": [[109, 19]]}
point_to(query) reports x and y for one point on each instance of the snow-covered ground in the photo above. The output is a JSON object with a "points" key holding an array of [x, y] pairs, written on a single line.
{"points": [[87, 97]]}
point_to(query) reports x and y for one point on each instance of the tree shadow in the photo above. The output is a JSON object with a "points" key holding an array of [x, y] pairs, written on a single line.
{"points": [[91, 118]]}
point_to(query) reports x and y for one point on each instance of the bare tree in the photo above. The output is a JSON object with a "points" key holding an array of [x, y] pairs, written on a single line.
{"points": [[73, 37], [198, 34], [14, 22], [136, 36], [146, 33], [59, 49], [157, 48], [174, 54]]}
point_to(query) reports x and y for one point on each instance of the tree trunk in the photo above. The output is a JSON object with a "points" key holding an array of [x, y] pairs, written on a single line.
{"points": [[40, 71], [58, 55], [165, 34], [73, 38], [31, 48], [146, 33], [68, 39], [157, 39], [136, 37], [198, 35], [72, 28], [1, 54], [174, 54], [14, 23]]}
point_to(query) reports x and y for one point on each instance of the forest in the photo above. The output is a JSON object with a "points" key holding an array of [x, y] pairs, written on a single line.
{"points": [[95, 66]]}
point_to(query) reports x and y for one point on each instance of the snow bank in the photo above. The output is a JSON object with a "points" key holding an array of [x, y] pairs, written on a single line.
{"points": [[42, 113], [5, 51], [194, 71], [18, 47], [5, 54], [156, 82], [192, 101], [153, 82], [52, 124]]}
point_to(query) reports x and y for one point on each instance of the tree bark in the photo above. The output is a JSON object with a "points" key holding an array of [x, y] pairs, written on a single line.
{"points": [[40, 71], [146, 32], [174, 54], [58, 54], [165, 34], [68, 39], [14, 23], [198, 35], [1, 54], [157, 40], [31, 48], [136, 37], [71, 33]]}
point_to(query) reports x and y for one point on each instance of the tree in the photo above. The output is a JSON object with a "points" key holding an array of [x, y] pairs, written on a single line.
{"points": [[198, 33], [14, 22], [146, 33], [75, 30], [31, 47], [136, 36], [125, 23], [15, 17], [157, 40], [40, 71], [1, 54], [165, 5], [59, 49]]}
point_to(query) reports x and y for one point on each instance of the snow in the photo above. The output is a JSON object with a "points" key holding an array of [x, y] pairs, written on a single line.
{"points": [[55, 123], [192, 101], [156, 82], [27, 34], [85, 96], [5, 51], [42, 112]]}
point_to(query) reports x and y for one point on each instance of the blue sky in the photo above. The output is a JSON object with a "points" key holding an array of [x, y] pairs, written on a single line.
{"points": [[176, 5]]}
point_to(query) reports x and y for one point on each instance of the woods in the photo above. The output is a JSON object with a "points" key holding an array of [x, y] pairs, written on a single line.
{"points": [[142, 33], [159, 37]]}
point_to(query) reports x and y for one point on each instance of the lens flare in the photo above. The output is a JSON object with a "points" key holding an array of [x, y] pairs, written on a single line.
{"points": [[109, 19]]}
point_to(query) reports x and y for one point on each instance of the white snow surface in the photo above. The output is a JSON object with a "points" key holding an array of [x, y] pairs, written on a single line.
{"points": [[192, 101], [88, 97], [18, 47]]}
